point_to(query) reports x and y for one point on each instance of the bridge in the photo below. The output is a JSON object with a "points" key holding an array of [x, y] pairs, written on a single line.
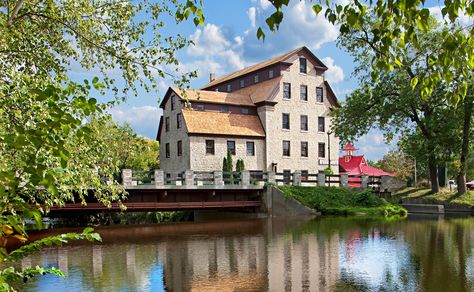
{"points": [[157, 190]]}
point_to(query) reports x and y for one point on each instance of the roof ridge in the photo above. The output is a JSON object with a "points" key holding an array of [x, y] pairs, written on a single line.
{"points": [[270, 61]]}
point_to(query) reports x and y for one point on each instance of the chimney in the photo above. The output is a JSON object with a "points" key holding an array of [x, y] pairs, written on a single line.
{"points": [[212, 77]]}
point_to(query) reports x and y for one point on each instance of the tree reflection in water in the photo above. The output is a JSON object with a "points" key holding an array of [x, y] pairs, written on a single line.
{"points": [[327, 254]]}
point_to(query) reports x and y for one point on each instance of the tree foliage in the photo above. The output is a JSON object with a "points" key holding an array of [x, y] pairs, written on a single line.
{"points": [[399, 163], [50, 153], [123, 148], [392, 27]]}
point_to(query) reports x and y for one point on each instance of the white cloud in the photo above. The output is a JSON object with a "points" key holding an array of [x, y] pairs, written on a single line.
{"points": [[300, 27], [334, 74], [208, 41], [143, 119], [373, 145], [252, 14], [215, 50], [463, 20]]}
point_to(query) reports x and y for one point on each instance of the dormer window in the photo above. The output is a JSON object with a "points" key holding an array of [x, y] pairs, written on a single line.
{"points": [[303, 65], [245, 111], [225, 109], [200, 107], [242, 83], [270, 74], [229, 87], [255, 79]]}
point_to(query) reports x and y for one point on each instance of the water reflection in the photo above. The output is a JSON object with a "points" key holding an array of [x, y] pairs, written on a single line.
{"points": [[330, 254]]}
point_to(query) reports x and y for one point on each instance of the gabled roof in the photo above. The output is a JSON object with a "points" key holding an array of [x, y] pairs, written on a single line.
{"points": [[357, 165], [262, 91], [331, 95], [218, 123], [209, 96], [264, 64]]}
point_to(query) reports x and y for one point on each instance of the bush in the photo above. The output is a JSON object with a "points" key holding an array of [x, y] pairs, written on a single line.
{"points": [[344, 201]]}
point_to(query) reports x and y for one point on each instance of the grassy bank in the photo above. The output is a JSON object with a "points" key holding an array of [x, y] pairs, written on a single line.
{"points": [[443, 197], [342, 201]]}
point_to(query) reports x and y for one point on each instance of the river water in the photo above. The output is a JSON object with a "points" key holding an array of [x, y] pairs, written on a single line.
{"points": [[324, 254]]}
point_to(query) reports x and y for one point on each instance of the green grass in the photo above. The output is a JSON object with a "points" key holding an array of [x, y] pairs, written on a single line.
{"points": [[444, 196], [342, 201]]}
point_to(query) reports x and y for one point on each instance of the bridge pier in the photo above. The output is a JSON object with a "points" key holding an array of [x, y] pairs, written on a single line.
{"points": [[159, 177], [344, 180], [321, 179], [189, 178]]}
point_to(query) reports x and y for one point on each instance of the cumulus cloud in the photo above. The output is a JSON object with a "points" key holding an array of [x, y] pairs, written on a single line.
{"points": [[143, 119], [215, 50], [252, 16], [373, 145], [300, 27], [463, 20], [334, 74]]}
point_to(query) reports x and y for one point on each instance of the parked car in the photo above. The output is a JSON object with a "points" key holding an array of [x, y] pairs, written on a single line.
{"points": [[470, 185]]}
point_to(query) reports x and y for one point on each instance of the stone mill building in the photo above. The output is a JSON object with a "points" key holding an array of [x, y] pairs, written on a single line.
{"points": [[274, 115]]}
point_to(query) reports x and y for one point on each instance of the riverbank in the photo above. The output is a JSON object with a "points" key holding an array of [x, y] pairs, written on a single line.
{"points": [[342, 201], [450, 199]]}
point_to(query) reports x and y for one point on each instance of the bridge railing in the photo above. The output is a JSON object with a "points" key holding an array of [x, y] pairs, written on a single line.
{"points": [[258, 178]]}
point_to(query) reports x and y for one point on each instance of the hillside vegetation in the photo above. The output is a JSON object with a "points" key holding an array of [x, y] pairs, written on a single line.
{"points": [[342, 201]]}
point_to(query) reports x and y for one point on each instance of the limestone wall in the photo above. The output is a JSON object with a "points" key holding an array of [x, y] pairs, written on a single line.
{"points": [[174, 163], [272, 120], [200, 161]]}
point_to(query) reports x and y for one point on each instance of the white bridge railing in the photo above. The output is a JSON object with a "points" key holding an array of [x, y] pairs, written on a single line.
{"points": [[160, 178]]}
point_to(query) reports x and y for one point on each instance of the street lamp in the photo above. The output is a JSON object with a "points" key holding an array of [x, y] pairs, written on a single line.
{"points": [[329, 150]]}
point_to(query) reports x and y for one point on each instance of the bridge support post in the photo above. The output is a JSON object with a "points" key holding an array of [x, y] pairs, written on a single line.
{"points": [[159, 177], [218, 180], [344, 178], [245, 177], [127, 177], [271, 177], [321, 179], [364, 181], [297, 178], [189, 178]]}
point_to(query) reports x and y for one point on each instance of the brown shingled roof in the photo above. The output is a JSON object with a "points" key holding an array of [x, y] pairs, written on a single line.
{"points": [[214, 96], [261, 91], [217, 123], [261, 65]]}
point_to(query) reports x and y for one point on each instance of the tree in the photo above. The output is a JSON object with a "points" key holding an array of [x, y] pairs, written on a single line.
{"points": [[397, 162], [125, 149], [395, 26], [49, 154], [394, 105], [240, 165]]}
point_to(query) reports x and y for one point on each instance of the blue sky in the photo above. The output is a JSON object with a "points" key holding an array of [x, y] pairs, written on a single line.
{"points": [[228, 42]]}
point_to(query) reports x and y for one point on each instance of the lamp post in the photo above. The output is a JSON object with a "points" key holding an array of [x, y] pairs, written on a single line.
{"points": [[329, 150]]}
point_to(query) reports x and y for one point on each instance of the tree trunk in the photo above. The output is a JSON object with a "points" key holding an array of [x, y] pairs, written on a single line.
{"points": [[468, 106], [433, 168]]}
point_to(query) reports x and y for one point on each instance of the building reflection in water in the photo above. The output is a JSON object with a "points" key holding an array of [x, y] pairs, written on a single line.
{"points": [[268, 255], [254, 257]]}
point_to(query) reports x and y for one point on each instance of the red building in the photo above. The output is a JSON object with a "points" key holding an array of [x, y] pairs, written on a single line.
{"points": [[357, 165]]}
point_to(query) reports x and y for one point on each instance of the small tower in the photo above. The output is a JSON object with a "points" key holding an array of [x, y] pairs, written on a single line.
{"points": [[348, 149]]}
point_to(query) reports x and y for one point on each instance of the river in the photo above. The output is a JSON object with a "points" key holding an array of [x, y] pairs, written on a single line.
{"points": [[325, 254]]}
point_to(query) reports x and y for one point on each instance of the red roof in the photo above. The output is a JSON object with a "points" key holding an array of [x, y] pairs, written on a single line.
{"points": [[357, 165], [349, 147]]}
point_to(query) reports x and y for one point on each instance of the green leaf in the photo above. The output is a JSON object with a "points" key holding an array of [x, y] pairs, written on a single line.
{"points": [[317, 8]]}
